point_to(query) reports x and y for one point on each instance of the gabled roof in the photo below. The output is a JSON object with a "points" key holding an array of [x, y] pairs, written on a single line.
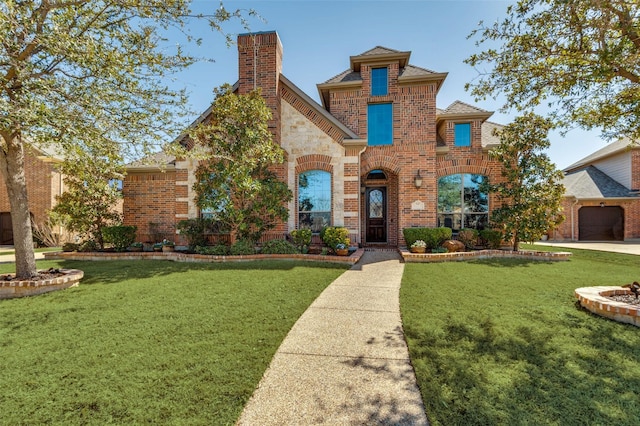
{"points": [[613, 148], [153, 162], [591, 183], [459, 110], [46, 153], [348, 134], [379, 53], [345, 76], [379, 50]]}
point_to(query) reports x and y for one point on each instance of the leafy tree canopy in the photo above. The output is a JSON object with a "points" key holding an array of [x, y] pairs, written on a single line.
{"points": [[581, 58], [529, 191], [238, 183], [86, 73]]}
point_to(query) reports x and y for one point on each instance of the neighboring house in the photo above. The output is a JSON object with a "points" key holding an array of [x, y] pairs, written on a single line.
{"points": [[376, 157], [44, 183], [601, 195]]}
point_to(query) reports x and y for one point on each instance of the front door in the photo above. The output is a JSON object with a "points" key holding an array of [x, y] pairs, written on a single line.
{"points": [[6, 229], [376, 215]]}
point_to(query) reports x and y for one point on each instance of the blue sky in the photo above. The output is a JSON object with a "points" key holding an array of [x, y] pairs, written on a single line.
{"points": [[319, 36]]}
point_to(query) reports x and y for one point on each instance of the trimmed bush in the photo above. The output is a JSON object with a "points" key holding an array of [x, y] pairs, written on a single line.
{"points": [[242, 247], [121, 236], [433, 237], [89, 246], [301, 238], [491, 238], [468, 237], [194, 230], [217, 250], [278, 247], [334, 235]]}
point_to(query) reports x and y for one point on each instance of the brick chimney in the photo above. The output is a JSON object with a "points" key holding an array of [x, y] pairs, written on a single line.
{"points": [[260, 65]]}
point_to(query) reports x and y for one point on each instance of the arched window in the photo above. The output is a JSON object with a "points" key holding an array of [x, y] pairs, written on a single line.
{"points": [[314, 200], [461, 203]]}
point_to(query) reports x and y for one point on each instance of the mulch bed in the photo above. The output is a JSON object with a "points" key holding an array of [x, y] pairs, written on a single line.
{"points": [[625, 298], [48, 274]]}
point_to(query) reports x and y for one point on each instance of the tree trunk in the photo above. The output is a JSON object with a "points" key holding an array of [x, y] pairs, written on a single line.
{"points": [[12, 168]]}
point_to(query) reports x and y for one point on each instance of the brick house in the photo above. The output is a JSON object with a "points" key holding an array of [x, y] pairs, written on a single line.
{"points": [[44, 183], [376, 155], [601, 195]]}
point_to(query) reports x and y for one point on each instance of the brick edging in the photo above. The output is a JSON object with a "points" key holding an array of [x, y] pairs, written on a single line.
{"points": [[594, 299], [484, 254], [13, 289], [202, 258]]}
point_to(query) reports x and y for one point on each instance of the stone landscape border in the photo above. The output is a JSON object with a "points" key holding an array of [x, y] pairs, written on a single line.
{"points": [[15, 288], [202, 258], [484, 254], [595, 300]]}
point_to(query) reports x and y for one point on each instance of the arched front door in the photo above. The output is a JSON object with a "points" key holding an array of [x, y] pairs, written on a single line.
{"points": [[376, 215]]}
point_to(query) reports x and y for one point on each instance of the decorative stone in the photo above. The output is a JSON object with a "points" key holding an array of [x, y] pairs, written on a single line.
{"points": [[417, 205], [453, 246]]}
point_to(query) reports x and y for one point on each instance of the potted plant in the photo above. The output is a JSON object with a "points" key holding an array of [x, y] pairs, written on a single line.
{"points": [[341, 249], [334, 236], [418, 246], [137, 246], [168, 245], [157, 247]]}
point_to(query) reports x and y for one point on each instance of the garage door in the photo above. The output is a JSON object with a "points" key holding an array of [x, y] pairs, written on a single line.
{"points": [[601, 223]]}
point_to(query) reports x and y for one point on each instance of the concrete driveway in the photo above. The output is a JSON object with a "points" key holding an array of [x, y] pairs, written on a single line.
{"points": [[627, 247]]}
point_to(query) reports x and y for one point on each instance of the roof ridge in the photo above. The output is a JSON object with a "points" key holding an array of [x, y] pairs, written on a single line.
{"points": [[457, 101], [343, 73], [379, 47], [421, 68]]}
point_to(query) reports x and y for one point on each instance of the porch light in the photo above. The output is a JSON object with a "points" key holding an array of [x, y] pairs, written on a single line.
{"points": [[417, 181], [363, 188], [602, 204]]}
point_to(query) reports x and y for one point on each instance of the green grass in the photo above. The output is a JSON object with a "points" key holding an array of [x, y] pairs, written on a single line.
{"points": [[502, 342], [149, 342]]}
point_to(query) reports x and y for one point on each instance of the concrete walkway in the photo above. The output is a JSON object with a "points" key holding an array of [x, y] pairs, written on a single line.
{"points": [[627, 247], [345, 361]]}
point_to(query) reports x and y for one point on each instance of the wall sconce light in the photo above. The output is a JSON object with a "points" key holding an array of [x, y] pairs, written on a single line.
{"points": [[363, 188], [417, 181], [602, 204]]}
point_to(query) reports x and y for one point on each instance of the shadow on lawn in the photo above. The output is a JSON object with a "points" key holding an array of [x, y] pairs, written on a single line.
{"points": [[108, 272], [477, 374]]}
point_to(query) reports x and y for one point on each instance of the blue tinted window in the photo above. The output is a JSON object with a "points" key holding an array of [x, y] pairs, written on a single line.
{"points": [[463, 134], [314, 200], [380, 124], [379, 82]]}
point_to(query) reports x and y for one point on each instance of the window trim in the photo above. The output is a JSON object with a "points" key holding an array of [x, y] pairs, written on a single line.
{"points": [[463, 211]]}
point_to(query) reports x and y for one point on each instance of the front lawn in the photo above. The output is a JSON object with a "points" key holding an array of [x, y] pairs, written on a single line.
{"points": [[502, 342], [149, 342]]}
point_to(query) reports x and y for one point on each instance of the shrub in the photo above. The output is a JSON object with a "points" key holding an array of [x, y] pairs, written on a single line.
{"points": [[70, 247], [334, 235], [217, 250], [195, 231], [439, 250], [301, 238], [491, 238], [242, 247], [433, 237], [121, 236], [278, 247], [468, 237], [88, 246]]}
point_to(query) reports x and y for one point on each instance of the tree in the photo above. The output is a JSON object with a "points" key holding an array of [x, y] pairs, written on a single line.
{"points": [[89, 201], [85, 72], [238, 183], [530, 192], [581, 58]]}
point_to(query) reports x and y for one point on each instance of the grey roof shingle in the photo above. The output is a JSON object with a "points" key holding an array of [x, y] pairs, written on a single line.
{"points": [[459, 107], [592, 183], [379, 50], [612, 148], [345, 76], [412, 70], [488, 138]]}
